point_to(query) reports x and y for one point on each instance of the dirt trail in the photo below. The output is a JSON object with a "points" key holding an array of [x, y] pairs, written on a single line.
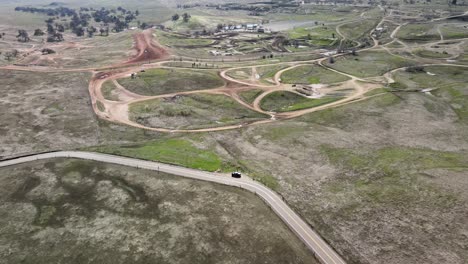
{"points": [[147, 49]]}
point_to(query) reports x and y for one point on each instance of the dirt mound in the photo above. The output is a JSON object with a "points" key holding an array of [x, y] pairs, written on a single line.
{"points": [[147, 49]]}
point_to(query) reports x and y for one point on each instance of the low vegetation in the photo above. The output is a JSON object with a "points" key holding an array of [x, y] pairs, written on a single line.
{"points": [[288, 101], [369, 63], [192, 112], [164, 81], [250, 95], [311, 74], [109, 213]]}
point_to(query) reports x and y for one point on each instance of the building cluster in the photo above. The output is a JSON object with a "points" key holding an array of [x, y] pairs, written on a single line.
{"points": [[245, 28]]}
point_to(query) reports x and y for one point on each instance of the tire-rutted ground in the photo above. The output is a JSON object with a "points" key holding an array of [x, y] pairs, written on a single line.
{"points": [[74, 211]]}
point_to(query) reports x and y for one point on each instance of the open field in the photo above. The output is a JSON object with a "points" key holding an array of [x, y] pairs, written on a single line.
{"points": [[381, 174], [358, 29], [109, 91], [369, 63], [192, 112], [250, 95], [163, 81], [430, 77], [112, 214], [267, 73], [288, 101], [419, 32], [44, 111], [431, 54], [311, 74]]}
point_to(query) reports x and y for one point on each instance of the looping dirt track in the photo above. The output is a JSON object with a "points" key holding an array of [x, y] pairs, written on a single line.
{"points": [[149, 50]]}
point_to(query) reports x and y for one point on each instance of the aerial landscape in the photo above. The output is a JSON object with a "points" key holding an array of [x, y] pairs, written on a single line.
{"points": [[220, 131]]}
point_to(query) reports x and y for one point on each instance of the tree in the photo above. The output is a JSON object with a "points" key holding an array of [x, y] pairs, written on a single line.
{"points": [[39, 32], [91, 30], [50, 29], [23, 36], [186, 17], [79, 31], [11, 54], [60, 28], [143, 25], [175, 17], [55, 37]]}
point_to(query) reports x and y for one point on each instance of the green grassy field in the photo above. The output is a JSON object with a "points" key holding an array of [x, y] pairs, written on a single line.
{"points": [[287, 101], [312, 74], [418, 32], [431, 54], [431, 77], [369, 63], [250, 95], [163, 81], [108, 91], [173, 151], [454, 30], [174, 40], [358, 29]]}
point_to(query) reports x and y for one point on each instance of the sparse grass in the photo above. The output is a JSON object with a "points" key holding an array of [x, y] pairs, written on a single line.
{"points": [[389, 175], [177, 40], [369, 63], [376, 91], [311, 74], [100, 106], [267, 73], [108, 89], [431, 77], [418, 32], [240, 74], [110, 206], [358, 29], [287, 101], [192, 112], [457, 96], [250, 95], [454, 30], [431, 54], [163, 81]]}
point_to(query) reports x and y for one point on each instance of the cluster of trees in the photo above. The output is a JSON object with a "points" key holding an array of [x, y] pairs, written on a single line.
{"points": [[185, 17], [80, 21], [23, 36], [60, 11], [10, 54], [179, 6]]}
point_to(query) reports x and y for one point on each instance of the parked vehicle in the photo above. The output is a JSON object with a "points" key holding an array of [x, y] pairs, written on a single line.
{"points": [[236, 174]]}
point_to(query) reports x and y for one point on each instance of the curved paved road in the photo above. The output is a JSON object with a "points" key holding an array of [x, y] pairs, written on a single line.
{"points": [[321, 249]]}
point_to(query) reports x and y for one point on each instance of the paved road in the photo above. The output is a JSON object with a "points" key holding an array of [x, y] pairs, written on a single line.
{"points": [[321, 249]]}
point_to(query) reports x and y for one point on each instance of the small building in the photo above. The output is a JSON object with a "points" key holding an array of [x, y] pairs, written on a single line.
{"points": [[215, 52]]}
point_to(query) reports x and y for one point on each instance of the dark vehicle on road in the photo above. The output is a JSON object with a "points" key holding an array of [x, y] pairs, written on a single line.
{"points": [[236, 174]]}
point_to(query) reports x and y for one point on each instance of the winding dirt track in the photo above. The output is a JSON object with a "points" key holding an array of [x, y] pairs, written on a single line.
{"points": [[148, 50]]}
